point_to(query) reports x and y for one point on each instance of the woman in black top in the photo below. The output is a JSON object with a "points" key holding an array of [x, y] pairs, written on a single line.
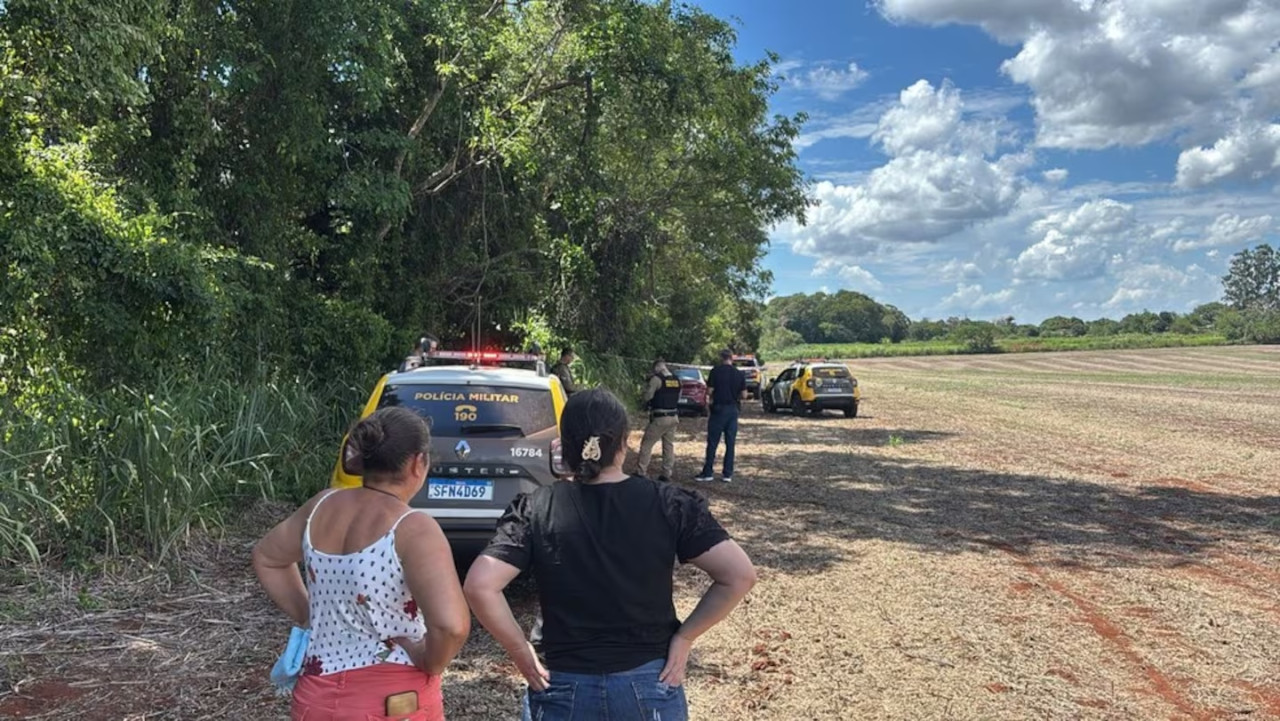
{"points": [[602, 550]]}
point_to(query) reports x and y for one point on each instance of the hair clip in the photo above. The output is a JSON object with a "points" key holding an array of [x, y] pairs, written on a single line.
{"points": [[591, 449]]}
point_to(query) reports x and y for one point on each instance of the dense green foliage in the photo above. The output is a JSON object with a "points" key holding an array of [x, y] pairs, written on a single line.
{"points": [[292, 191]]}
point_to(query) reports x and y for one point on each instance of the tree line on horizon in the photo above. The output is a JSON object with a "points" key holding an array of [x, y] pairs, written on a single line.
{"points": [[1249, 312]]}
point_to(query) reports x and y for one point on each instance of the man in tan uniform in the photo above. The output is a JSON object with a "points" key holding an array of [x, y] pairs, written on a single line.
{"points": [[662, 398]]}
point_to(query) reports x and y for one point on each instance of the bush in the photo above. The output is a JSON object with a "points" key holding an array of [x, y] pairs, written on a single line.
{"points": [[1249, 326], [976, 338]]}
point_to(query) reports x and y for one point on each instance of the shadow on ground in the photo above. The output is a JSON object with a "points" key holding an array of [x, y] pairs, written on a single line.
{"points": [[798, 511]]}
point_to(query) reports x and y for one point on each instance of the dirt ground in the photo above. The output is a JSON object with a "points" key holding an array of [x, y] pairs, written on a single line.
{"points": [[1049, 536]]}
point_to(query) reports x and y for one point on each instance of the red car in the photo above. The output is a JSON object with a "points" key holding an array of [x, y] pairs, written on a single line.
{"points": [[693, 391]]}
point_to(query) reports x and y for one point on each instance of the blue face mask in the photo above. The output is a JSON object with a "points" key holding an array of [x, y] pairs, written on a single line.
{"points": [[285, 673]]}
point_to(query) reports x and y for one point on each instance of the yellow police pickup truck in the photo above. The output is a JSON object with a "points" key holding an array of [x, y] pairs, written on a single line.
{"points": [[495, 434], [811, 387]]}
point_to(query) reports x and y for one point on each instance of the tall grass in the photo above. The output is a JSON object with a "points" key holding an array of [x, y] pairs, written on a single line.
{"points": [[131, 469], [1003, 345]]}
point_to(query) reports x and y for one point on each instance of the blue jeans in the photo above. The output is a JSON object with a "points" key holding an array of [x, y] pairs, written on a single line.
{"points": [[723, 421], [635, 695]]}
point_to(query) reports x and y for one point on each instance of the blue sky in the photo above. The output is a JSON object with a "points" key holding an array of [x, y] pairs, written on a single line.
{"points": [[989, 158]]}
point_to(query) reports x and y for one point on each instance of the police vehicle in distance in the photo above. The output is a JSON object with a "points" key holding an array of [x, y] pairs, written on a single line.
{"points": [[811, 387], [495, 434]]}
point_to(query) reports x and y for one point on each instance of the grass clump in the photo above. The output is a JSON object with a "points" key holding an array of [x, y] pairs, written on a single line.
{"points": [[127, 469]]}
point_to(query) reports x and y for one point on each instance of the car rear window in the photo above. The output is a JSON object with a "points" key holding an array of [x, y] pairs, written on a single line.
{"points": [[745, 363], [689, 374], [833, 372], [482, 410]]}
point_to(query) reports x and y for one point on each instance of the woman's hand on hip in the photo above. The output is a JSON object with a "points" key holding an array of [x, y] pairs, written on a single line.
{"points": [[532, 669], [677, 661]]}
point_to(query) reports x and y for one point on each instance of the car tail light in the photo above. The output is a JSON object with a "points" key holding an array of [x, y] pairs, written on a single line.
{"points": [[557, 459]]}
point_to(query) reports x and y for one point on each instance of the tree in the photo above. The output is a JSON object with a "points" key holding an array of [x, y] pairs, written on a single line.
{"points": [[896, 324], [977, 336], [1062, 326], [1103, 327], [1253, 279], [1143, 323], [1204, 316]]}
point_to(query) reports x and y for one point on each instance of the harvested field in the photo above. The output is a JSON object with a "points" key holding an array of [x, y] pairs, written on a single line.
{"points": [[1066, 536]]}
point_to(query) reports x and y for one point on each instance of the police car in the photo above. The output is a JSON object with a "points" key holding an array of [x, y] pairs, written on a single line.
{"points": [[495, 434], [811, 387]]}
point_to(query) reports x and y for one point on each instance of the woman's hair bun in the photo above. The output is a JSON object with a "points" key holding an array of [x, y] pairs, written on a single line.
{"points": [[369, 435], [384, 442]]}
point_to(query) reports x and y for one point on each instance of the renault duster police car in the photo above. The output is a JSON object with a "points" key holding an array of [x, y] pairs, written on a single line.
{"points": [[495, 434], [811, 387]]}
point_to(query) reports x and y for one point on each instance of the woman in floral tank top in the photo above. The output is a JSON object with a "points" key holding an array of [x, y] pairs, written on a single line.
{"points": [[381, 594]]}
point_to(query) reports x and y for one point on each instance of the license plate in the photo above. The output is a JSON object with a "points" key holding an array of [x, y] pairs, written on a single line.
{"points": [[450, 489]]}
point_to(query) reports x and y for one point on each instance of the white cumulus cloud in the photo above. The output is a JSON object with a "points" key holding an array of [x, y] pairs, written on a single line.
{"points": [[1131, 72], [1156, 286], [1228, 229], [826, 80], [943, 175], [1077, 244], [972, 297], [1245, 154]]}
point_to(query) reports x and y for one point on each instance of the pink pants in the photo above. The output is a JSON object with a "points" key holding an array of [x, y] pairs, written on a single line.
{"points": [[361, 695]]}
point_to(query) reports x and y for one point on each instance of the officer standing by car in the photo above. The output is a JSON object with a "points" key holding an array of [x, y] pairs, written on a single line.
{"points": [[561, 371], [728, 388], [662, 398]]}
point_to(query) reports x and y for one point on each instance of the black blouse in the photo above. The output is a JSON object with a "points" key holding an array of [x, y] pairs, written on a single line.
{"points": [[603, 556]]}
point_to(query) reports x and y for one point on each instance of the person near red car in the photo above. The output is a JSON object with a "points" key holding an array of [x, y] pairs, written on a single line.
{"points": [[662, 399]]}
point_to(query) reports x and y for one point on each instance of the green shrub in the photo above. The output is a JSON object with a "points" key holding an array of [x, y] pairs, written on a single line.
{"points": [[976, 337]]}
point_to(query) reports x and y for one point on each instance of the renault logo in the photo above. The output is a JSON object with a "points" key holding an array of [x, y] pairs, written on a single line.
{"points": [[463, 449]]}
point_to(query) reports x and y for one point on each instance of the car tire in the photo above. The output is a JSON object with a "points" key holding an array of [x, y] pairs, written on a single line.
{"points": [[767, 405], [851, 410], [797, 405], [704, 412]]}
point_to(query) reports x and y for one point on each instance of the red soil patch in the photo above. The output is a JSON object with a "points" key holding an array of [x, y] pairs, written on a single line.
{"points": [[38, 697], [1093, 703], [1245, 564], [1065, 675], [998, 688], [1022, 587], [1161, 685], [1266, 696], [1266, 597], [1196, 486]]}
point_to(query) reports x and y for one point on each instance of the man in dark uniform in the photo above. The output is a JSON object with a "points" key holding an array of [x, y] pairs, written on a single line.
{"points": [[561, 371], [662, 398], [728, 386]]}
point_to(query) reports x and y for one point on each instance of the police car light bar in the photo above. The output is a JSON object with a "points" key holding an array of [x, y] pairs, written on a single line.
{"points": [[483, 356]]}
